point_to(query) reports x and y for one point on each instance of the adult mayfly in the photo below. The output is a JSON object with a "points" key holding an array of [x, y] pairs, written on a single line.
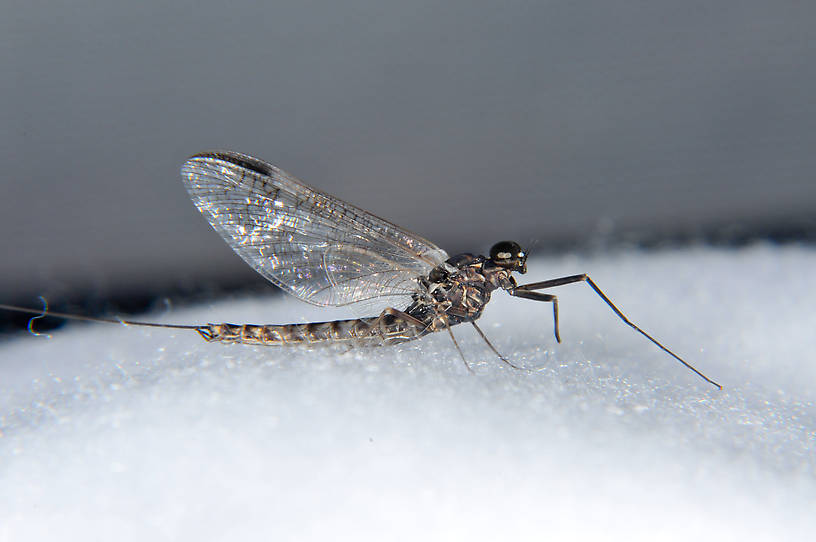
{"points": [[327, 252]]}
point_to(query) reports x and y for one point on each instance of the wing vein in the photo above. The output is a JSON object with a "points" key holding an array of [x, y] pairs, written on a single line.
{"points": [[313, 245]]}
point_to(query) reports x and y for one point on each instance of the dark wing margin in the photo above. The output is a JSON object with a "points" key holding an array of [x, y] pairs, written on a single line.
{"points": [[313, 245]]}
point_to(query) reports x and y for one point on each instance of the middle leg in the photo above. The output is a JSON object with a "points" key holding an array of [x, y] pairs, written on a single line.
{"points": [[456, 344], [507, 361]]}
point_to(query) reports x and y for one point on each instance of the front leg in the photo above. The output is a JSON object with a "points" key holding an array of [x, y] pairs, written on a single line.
{"points": [[538, 296], [526, 290]]}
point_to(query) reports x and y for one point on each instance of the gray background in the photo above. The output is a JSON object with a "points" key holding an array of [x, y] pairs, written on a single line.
{"points": [[467, 122]]}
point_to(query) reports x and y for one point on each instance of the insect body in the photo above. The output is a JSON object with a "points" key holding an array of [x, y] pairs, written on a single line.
{"points": [[330, 253], [449, 295]]}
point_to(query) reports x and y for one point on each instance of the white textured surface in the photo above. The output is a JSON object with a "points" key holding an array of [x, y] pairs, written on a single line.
{"points": [[133, 434]]}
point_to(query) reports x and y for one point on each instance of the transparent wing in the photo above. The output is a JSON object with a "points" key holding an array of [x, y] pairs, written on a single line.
{"points": [[311, 244]]}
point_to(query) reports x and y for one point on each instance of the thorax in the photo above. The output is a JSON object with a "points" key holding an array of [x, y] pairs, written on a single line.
{"points": [[459, 289]]}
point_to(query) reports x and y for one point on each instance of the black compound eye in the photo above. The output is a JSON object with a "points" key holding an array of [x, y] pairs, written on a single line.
{"points": [[506, 252]]}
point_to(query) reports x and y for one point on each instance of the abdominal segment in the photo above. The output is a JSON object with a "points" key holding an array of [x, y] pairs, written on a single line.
{"points": [[368, 331]]}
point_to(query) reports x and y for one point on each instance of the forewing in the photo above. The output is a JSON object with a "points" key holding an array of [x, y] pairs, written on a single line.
{"points": [[309, 243]]}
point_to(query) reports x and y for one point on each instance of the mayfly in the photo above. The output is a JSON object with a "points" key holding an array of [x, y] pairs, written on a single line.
{"points": [[329, 253]]}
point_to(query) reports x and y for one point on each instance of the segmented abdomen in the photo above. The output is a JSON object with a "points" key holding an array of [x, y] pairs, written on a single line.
{"points": [[375, 330]]}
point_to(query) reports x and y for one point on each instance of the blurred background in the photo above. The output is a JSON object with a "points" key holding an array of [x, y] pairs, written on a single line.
{"points": [[559, 124]]}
